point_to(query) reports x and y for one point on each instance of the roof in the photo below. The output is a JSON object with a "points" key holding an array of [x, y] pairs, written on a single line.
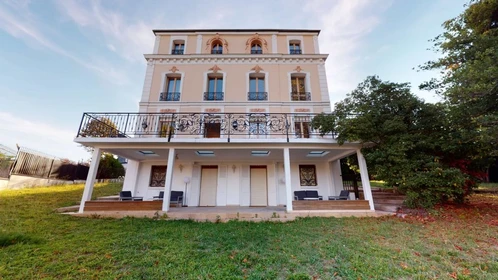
{"points": [[235, 30]]}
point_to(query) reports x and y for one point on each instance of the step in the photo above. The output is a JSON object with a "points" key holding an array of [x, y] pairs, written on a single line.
{"points": [[388, 201], [106, 198], [74, 208], [387, 207]]}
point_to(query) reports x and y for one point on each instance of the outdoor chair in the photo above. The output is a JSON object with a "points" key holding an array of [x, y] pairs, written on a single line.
{"points": [[126, 195], [159, 197], [344, 195], [176, 198]]}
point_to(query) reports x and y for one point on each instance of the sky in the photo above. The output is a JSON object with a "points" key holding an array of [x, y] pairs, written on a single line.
{"points": [[61, 58]]}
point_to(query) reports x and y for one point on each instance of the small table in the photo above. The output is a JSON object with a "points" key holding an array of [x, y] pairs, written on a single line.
{"points": [[311, 198], [138, 198]]}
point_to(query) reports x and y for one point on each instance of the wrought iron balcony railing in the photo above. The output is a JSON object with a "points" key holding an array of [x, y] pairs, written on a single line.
{"points": [[213, 96], [256, 51], [295, 52], [177, 52], [257, 96], [300, 96], [216, 52], [169, 96], [225, 126]]}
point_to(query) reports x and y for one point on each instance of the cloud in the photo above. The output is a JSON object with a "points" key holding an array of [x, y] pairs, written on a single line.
{"points": [[39, 136], [23, 26], [127, 37], [345, 25]]}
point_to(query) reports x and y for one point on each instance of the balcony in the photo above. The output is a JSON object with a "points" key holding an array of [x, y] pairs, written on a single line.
{"points": [[181, 126], [257, 96], [256, 51], [300, 96], [295, 52], [213, 96], [177, 52], [216, 51], [169, 96]]}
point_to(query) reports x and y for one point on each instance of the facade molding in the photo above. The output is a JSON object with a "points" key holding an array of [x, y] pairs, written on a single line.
{"points": [[236, 59]]}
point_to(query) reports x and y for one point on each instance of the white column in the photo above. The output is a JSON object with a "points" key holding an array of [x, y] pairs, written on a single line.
{"points": [[365, 181], [169, 179], [288, 184], [131, 175], [90, 179]]}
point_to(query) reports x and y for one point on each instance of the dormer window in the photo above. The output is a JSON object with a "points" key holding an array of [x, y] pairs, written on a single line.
{"points": [[178, 47], [217, 48], [295, 47], [256, 48]]}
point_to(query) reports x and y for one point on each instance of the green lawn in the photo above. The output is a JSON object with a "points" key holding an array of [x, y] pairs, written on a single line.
{"points": [[36, 243]]}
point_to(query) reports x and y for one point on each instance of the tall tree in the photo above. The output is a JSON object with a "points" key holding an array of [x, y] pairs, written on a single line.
{"points": [[469, 75], [405, 140]]}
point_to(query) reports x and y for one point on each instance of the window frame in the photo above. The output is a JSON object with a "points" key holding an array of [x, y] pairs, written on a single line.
{"points": [[258, 44], [217, 44], [216, 76], [167, 76], [307, 90]]}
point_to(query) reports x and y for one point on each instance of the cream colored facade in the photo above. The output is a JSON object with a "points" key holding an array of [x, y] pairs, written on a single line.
{"points": [[202, 129], [236, 65]]}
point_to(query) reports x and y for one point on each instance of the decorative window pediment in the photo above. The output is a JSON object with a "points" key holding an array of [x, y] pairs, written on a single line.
{"points": [[254, 40]]}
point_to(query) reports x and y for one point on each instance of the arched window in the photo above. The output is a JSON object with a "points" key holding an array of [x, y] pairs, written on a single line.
{"points": [[256, 48], [217, 48]]}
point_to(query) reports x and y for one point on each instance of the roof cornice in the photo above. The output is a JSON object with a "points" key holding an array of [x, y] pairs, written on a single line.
{"points": [[196, 31]]}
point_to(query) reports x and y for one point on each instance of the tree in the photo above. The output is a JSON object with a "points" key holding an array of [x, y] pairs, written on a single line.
{"points": [[109, 167], [469, 75], [99, 127], [405, 140]]}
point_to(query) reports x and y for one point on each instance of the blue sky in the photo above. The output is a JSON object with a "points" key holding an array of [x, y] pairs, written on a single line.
{"points": [[61, 58]]}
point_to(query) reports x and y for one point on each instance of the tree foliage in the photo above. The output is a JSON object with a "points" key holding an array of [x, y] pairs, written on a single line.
{"points": [[101, 127], [405, 140], [469, 75], [109, 167]]}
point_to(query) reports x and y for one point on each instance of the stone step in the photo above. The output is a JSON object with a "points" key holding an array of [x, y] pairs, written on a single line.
{"points": [[389, 201], [387, 207], [111, 197], [74, 208], [388, 196]]}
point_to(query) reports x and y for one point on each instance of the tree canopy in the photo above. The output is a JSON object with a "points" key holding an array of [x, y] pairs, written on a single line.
{"points": [[468, 78], [404, 140]]}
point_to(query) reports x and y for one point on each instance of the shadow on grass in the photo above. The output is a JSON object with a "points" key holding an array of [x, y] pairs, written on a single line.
{"points": [[8, 239]]}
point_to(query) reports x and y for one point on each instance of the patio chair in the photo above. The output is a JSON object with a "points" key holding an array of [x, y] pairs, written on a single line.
{"points": [[313, 194], [125, 195], [344, 195], [159, 197], [176, 198]]}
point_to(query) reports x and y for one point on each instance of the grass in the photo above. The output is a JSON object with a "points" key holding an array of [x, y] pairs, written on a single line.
{"points": [[489, 186], [36, 243]]}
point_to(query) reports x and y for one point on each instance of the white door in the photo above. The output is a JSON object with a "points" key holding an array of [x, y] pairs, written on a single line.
{"points": [[209, 182], [259, 188]]}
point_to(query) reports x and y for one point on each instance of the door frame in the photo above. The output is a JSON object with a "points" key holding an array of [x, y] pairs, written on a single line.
{"points": [[265, 167], [200, 183]]}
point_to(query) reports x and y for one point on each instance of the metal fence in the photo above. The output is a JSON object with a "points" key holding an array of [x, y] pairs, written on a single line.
{"points": [[5, 165], [35, 164]]}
